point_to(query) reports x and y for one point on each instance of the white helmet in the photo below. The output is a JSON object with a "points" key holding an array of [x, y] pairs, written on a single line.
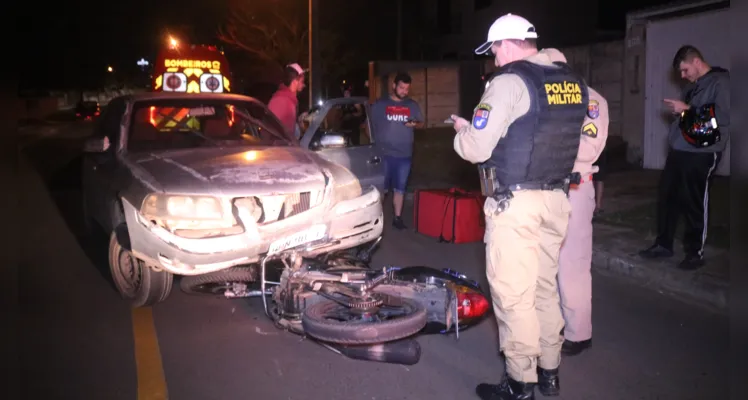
{"points": [[509, 26]]}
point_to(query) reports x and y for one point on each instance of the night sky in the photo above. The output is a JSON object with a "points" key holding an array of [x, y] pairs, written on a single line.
{"points": [[71, 45]]}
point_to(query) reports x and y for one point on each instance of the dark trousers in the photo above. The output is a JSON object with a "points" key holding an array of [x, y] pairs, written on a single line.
{"points": [[684, 190]]}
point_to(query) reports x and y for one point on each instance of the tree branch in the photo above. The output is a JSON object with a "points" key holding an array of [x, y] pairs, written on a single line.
{"points": [[262, 30]]}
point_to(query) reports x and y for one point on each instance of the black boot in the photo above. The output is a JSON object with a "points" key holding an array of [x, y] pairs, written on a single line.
{"points": [[508, 389], [570, 348], [548, 382]]}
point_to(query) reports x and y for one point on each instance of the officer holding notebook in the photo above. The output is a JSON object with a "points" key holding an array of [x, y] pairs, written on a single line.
{"points": [[524, 135]]}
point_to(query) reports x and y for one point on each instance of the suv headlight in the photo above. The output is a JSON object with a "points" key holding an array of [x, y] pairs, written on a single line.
{"points": [[346, 191], [342, 185], [191, 216]]}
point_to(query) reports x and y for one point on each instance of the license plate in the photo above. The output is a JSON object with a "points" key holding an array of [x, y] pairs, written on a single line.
{"points": [[297, 239]]}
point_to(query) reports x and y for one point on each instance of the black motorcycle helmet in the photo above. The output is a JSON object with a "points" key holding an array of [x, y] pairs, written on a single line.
{"points": [[699, 126]]}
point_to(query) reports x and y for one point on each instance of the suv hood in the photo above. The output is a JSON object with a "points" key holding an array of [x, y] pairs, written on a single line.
{"points": [[230, 172]]}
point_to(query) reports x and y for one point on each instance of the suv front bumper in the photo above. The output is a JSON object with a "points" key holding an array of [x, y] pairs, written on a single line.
{"points": [[348, 224]]}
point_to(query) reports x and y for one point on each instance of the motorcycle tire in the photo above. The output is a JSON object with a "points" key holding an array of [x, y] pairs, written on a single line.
{"points": [[195, 284], [360, 333]]}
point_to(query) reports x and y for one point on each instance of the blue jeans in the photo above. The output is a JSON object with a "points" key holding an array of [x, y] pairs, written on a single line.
{"points": [[396, 172]]}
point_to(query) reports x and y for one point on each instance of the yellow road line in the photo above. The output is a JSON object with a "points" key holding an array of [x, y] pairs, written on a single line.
{"points": [[151, 379]]}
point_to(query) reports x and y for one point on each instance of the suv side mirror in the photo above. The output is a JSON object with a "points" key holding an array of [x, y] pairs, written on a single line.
{"points": [[96, 145], [329, 141], [332, 140]]}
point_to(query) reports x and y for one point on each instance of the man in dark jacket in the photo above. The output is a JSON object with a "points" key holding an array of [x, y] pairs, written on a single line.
{"points": [[684, 183]]}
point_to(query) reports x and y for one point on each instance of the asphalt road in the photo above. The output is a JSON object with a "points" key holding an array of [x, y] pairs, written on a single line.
{"points": [[78, 338]]}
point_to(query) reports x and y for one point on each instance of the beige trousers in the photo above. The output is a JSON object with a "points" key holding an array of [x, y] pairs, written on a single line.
{"points": [[575, 263], [522, 250]]}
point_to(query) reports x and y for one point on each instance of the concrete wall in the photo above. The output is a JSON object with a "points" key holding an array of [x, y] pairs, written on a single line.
{"points": [[104, 96], [602, 66], [37, 107], [440, 88], [42, 107], [647, 59], [470, 26]]}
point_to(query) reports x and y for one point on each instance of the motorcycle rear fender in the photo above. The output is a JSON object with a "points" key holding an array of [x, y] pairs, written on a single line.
{"points": [[433, 299], [445, 320], [440, 304]]}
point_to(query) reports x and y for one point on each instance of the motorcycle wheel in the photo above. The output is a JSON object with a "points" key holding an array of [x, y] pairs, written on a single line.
{"points": [[218, 283], [333, 322]]}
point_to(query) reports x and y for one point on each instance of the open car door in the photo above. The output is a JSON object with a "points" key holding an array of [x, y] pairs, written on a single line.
{"points": [[341, 132]]}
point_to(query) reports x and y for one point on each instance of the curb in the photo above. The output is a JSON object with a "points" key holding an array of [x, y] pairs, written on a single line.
{"points": [[690, 287], [701, 290]]}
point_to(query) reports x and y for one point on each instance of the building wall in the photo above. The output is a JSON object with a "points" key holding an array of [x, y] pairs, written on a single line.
{"points": [[440, 88], [558, 23], [37, 107], [601, 65], [652, 37]]}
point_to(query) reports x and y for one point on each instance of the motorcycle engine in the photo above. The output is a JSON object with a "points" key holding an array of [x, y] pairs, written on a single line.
{"points": [[294, 294]]}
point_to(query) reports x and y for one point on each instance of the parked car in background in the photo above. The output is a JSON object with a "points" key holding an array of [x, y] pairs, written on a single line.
{"points": [[87, 110]]}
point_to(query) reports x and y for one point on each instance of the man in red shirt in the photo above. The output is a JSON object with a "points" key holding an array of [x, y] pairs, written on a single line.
{"points": [[285, 102]]}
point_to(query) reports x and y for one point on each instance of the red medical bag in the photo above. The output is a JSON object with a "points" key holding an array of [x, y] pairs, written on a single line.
{"points": [[451, 215]]}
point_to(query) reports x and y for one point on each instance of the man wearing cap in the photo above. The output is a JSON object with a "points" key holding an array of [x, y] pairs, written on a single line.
{"points": [[285, 102], [524, 135], [575, 259]]}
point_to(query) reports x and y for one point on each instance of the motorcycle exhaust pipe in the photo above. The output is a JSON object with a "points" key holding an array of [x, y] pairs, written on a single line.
{"points": [[405, 351]]}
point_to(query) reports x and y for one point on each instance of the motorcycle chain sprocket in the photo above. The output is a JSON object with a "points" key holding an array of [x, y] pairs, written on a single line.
{"points": [[376, 300]]}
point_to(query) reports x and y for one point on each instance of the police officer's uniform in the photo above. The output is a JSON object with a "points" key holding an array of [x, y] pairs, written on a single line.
{"points": [[525, 134], [575, 259]]}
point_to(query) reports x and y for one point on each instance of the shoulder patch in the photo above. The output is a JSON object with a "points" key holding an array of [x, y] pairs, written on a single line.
{"points": [[484, 106], [590, 130], [593, 109], [480, 116]]}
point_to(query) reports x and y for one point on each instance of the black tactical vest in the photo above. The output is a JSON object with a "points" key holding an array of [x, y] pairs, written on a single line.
{"points": [[541, 146]]}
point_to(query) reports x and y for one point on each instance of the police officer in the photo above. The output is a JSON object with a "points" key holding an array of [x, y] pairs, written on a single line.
{"points": [[525, 135], [575, 259]]}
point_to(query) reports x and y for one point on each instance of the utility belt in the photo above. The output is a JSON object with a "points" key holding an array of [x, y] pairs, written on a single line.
{"points": [[582, 180], [491, 187]]}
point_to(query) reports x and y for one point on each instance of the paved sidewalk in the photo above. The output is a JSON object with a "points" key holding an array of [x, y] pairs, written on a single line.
{"points": [[627, 225]]}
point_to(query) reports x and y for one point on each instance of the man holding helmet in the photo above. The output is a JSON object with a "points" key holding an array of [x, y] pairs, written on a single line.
{"points": [[697, 138], [525, 136]]}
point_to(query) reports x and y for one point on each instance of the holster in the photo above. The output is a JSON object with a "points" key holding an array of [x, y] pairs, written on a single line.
{"points": [[491, 187], [488, 181], [575, 178]]}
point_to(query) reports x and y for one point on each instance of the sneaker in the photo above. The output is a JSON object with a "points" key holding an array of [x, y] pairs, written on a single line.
{"points": [[398, 223], [691, 262], [656, 251]]}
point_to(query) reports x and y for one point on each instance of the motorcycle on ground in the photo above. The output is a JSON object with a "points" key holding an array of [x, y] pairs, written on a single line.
{"points": [[341, 302]]}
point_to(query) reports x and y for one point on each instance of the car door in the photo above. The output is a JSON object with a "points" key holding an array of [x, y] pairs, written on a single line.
{"points": [[99, 168], [346, 117]]}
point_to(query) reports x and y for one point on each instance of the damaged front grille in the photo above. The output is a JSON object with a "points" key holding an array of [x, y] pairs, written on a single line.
{"points": [[272, 208], [296, 203]]}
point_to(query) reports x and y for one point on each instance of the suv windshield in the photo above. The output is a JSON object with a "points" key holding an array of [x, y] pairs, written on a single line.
{"points": [[189, 123]]}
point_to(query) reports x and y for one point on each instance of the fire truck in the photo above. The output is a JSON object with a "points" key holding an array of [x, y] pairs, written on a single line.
{"points": [[191, 69]]}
